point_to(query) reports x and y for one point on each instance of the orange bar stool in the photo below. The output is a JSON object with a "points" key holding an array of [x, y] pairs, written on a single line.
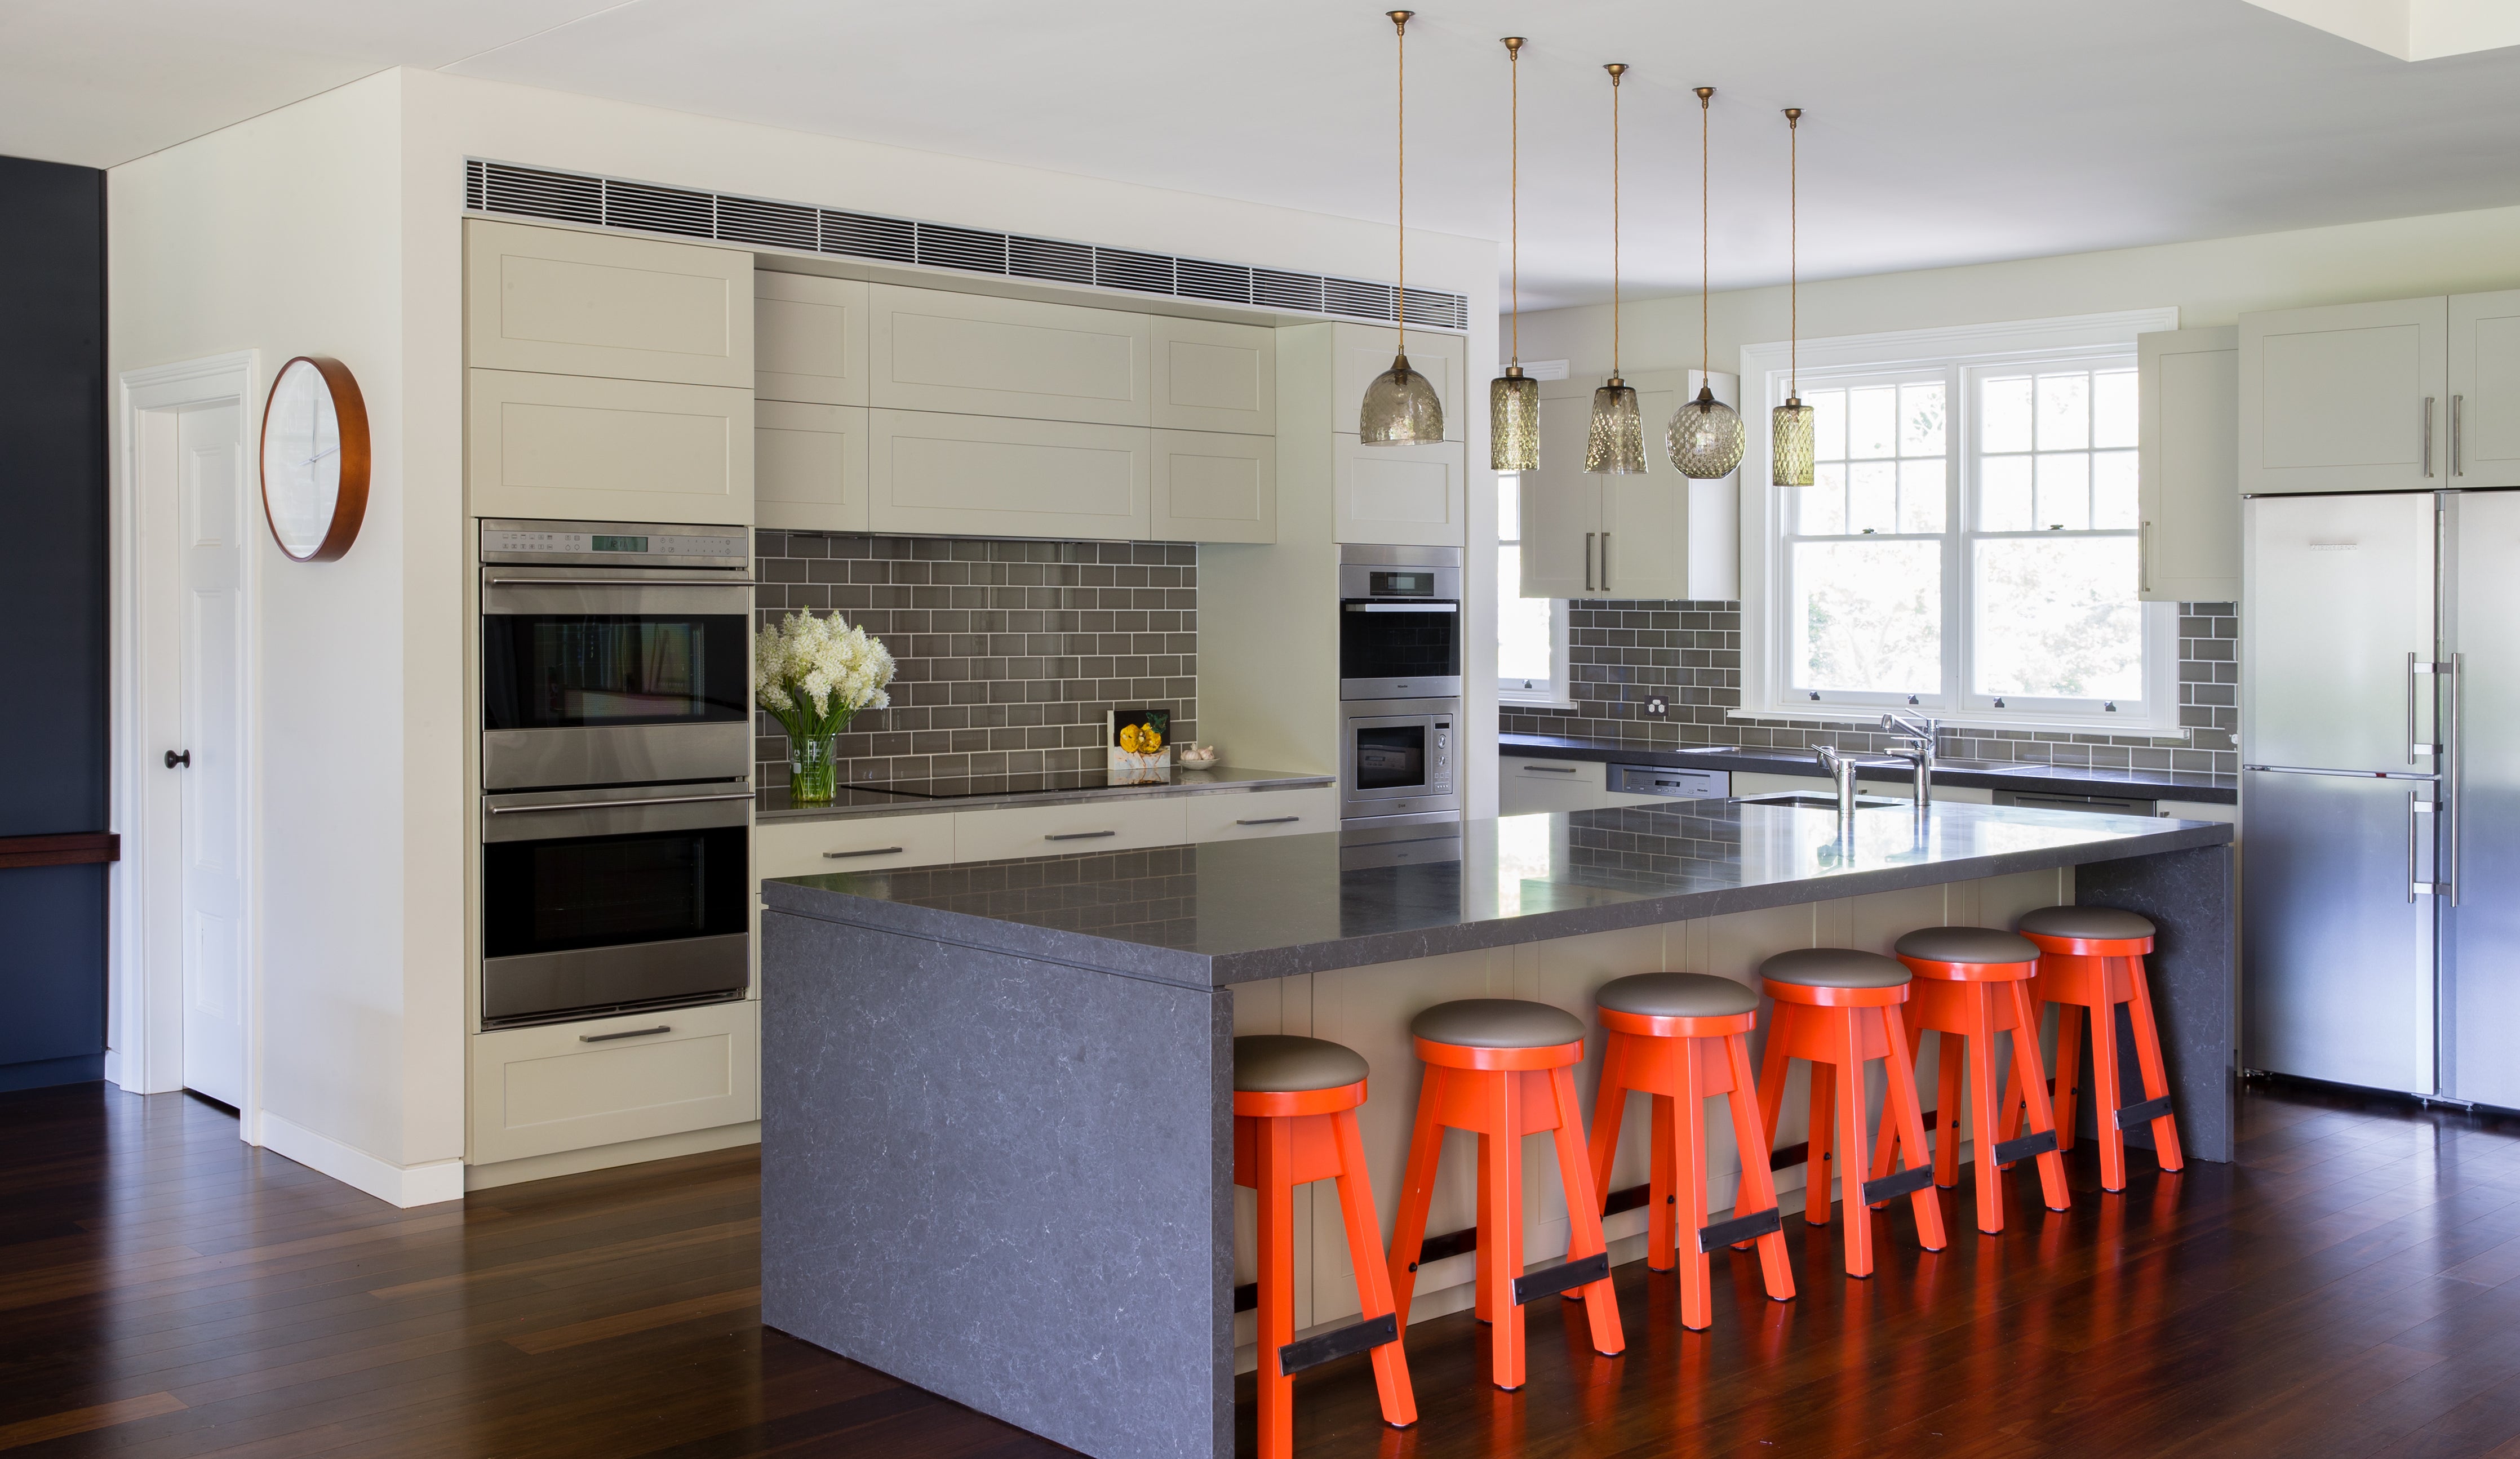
{"points": [[1502, 1069], [1683, 1038], [1295, 1122], [2090, 959], [1836, 1009], [1970, 984]]}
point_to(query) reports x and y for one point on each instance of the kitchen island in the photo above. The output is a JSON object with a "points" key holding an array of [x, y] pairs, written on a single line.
{"points": [[997, 1148]]}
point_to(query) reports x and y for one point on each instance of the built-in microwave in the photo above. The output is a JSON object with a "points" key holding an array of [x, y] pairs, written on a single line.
{"points": [[1400, 621], [615, 653], [1396, 756]]}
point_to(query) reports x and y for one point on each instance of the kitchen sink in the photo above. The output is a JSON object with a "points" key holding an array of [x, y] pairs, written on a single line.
{"points": [[1948, 762], [1805, 802]]}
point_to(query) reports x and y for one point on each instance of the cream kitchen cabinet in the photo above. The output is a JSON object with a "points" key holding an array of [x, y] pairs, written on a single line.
{"points": [[809, 339], [2485, 389], [974, 354], [1012, 831], [1654, 535], [812, 848], [1360, 352], [2188, 431], [809, 470], [991, 476], [1214, 376], [1211, 486], [575, 1086], [1251, 815], [602, 449], [2350, 397], [1409, 495], [556, 301]]}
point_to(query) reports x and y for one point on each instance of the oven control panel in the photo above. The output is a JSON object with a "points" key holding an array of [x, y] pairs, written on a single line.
{"points": [[618, 543], [1439, 757]]}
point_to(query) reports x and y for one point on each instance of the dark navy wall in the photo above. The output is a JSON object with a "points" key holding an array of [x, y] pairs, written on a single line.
{"points": [[53, 666]]}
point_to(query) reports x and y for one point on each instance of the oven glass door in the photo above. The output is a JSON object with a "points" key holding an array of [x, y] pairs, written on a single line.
{"points": [[1406, 641], [579, 892], [1393, 759], [579, 671]]}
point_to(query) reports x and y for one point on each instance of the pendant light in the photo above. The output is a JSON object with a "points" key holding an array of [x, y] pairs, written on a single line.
{"points": [[1401, 408], [1617, 446], [1794, 442], [1513, 398], [1705, 438]]}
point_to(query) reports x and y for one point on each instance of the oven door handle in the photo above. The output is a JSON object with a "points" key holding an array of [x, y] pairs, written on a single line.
{"points": [[1403, 607], [622, 582], [659, 800]]}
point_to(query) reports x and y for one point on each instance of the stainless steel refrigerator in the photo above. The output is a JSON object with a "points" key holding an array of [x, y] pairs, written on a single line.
{"points": [[2380, 791]]}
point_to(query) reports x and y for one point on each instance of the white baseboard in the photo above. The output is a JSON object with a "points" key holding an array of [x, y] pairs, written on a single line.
{"points": [[398, 1186], [604, 1157], [113, 1067]]}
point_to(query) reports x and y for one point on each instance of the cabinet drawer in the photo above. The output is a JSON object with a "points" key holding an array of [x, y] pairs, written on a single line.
{"points": [[1059, 831], [1213, 487], [538, 1091], [984, 476], [1411, 494], [929, 350], [809, 468], [809, 339], [559, 302], [572, 447], [1261, 812], [1555, 771], [811, 848]]}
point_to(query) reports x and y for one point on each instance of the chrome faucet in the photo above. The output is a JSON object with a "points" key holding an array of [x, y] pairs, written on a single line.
{"points": [[1925, 731], [1841, 767]]}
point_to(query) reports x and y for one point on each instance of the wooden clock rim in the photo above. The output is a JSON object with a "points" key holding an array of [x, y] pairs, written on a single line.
{"points": [[350, 503]]}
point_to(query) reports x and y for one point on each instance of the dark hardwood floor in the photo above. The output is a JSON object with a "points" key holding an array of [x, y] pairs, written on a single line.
{"points": [[2351, 1286]]}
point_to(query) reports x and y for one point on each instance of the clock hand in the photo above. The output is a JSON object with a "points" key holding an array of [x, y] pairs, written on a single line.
{"points": [[317, 456]]}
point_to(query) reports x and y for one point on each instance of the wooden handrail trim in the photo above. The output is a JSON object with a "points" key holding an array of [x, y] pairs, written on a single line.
{"points": [[73, 849]]}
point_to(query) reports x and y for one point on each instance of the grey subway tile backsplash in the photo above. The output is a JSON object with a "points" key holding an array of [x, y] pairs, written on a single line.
{"points": [[1620, 654], [1010, 652]]}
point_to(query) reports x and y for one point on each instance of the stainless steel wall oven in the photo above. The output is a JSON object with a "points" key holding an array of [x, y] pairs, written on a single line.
{"points": [[1400, 621]]}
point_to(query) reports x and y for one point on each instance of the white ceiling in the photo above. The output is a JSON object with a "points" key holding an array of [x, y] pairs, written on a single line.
{"points": [[1938, 131]]}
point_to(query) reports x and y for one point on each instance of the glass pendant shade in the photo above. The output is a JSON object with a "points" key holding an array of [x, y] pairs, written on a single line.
{"points": [[1617, 446], [1795, 443], [1401, 408], [1705, 438], [1514, 421]]}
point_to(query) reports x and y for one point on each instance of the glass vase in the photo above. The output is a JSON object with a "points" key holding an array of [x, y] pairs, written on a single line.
{"points": [[812, 768]]}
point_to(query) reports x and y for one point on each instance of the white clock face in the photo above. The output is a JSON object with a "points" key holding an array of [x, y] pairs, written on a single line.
{"points": [[302, 458]]}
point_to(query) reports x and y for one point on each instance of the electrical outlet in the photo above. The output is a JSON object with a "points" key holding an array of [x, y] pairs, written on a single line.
{"points": [[1657, 707]]}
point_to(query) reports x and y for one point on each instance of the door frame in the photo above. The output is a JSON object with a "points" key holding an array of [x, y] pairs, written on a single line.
{"points": [[145, 980]]}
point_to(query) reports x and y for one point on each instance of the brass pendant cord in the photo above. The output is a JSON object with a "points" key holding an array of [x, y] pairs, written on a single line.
{"points": [[1513, 191], [1705, 229], [1793, 252], [1400, 294], [1616, 71]]}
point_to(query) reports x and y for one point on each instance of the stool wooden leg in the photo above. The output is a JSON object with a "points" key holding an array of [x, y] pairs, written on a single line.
{"points": [[1276, 1159], [1610, 1112], [1903, 1099], [1823, 1125], [1851, 1165], [1982, 1097], [1688, 1150], [1417, 1189], [2147, 1055], [1758, 1188], [2033, 1081], [2069, 1068], [1584, 1236], [1501, 1225], [1661, 1191], [1482, 1274], [2107, 1093], [1947, 1060], [1886, 1153], [1373, 1277]]}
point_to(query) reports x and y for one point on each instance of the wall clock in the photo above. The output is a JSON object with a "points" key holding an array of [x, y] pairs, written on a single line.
{"points": [[315, 459]]}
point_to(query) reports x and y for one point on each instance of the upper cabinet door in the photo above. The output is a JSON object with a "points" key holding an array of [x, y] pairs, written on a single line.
{"points": [[2485, 389], [1560, 506], [1215, 486], [608, 450], [1406, 495], [1214, 376], [1365, 351], [990, 476], [809, 339], [809, 465], [971, 354], [2351, 397], [2188, 483], [558, 302]]}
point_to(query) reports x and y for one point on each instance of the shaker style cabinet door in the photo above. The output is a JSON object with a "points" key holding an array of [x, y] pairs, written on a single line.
{"points": [[970, 354], [809, 339], [562, 302], [1211, 486], [1364, 351], [1406, 495], [2189, 438], [986, 476], [809, 466], [1214, 376], [538, 1091], [1645, 518], [2351, 397], [607, 450], [2485, 389], [1560, 505]]}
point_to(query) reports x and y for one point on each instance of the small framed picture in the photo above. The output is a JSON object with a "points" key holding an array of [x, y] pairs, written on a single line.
{"points": [[1139, 741]]}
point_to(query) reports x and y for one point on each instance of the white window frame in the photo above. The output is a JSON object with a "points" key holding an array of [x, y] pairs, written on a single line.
{"points": [[1962, 354], [1556, 692]]}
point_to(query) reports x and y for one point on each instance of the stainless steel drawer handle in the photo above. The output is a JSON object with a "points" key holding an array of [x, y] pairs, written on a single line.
{"points": [[662, 1027], [1081, 836], [659, 800], [871, 851], [1554, 770], [1403, 607], [623, 583], [1270, 820]]}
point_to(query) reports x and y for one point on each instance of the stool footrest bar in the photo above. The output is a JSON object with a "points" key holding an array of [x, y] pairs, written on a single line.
{"points": [[2009, 1151], [2133, 1114], [1723, 1233], [1338, 1343], [1899, 1183], [1549, 1281]]}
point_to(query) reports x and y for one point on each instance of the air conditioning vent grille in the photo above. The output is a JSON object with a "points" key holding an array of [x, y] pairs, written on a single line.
{"points": [[645, 207]]}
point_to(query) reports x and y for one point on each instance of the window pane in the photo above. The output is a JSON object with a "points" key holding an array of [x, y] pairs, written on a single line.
{"points": [[2004, 494], [1819, 510], [1920, 420], [2113, 499], [1920, 496], [1868, 616], [1509, 509], [1829, 423], [2113, 408], [2064, 493], [1522, 623], [2059, 617], [2006, 416], [1872, 421], [2064, 411], [1873, 496]]}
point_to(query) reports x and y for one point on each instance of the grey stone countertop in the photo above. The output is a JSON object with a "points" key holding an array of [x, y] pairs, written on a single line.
{"points": [[852, 803], [2056, 780], [1223, 913]]}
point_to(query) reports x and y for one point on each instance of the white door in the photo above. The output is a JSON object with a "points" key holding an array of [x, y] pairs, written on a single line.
{"points": [[211, 482], [2485, 389], [2345, 398]]}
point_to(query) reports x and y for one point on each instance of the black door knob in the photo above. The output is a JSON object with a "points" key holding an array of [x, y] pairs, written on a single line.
{"points": [[178, 756]]}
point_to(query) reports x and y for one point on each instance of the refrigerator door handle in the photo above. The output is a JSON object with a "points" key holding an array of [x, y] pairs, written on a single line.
{"points": [[2450, 734], [2414, 888]]}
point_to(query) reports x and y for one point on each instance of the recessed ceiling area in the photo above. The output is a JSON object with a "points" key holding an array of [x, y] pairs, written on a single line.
{"points": [[1939, 132]]}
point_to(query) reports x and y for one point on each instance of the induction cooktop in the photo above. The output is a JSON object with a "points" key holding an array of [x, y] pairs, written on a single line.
{"points": [[957, 787]]}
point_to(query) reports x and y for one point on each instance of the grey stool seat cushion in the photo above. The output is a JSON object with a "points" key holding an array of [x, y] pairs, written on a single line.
{"points": [[1283, 1064], [2097, 923], [1677, 995], [1497, 1023], [1967, 945], [1835, 967]]}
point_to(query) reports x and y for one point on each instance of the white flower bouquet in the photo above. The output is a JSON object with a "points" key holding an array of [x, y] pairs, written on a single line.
{"points": [[814, 675]]}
